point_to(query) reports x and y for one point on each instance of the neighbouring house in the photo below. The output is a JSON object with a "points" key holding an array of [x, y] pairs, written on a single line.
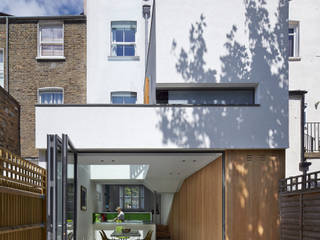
{"points": [[304, 72], [42, 61]]}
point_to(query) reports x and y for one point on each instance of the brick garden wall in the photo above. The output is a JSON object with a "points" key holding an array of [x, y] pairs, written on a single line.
{"points": [[9, 122], [27, 74]]}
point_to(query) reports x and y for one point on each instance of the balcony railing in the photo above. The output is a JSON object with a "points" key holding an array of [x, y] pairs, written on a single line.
{"points": [[312, 137]]}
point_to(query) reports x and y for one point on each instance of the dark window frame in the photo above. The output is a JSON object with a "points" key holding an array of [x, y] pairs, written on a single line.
{"points": [[165, 92]]}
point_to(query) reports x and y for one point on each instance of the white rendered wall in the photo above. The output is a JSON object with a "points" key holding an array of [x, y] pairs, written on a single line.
{"points": [[304, 74], [84, 218], [105, 75], [166, 203], [109, 127], [293, 153], [213, 41]]}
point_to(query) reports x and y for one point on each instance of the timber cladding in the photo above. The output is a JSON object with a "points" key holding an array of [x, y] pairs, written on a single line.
{"points": [[27, 74], [196, 211], [251, 198], [9, 122], [252, 185]]}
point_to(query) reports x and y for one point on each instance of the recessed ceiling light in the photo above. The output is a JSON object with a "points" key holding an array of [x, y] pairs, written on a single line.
{"points": [[113, 160], [102, 160]]}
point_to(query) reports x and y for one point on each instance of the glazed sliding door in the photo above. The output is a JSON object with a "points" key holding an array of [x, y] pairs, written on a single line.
{"points": [[61, 188]]}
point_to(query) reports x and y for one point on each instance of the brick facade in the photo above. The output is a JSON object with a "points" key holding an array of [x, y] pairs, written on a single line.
{"points": [[9, 122], [27, 74]]}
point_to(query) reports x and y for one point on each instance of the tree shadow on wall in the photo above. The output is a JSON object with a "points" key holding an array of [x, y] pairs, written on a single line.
{"points": [[263, 62]]}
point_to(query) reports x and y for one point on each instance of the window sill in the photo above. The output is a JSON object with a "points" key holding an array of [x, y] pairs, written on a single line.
{"points": [[124, 58], [53, 58], [294, 59]]}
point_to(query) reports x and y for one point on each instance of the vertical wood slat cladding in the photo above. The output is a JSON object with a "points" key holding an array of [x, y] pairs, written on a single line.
{"points": [[196, 211], [252, 206]]}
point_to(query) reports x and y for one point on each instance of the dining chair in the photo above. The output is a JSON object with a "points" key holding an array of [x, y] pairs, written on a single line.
{"points": [[148, 236], [103, 235]]}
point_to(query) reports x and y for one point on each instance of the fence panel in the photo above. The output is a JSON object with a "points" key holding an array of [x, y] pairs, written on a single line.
{"points": [[300, 207], [22, 198]]}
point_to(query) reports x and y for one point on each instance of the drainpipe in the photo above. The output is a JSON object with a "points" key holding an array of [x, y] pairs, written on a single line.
{"points": [[304, 165], [146, 15], [7, 54]]}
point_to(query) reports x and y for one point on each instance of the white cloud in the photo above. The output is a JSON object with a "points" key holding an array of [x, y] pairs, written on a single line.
{"points": [[41, 7]]}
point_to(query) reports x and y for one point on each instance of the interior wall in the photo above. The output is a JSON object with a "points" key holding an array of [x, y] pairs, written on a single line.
{"points": [[196, 211], [166, 204], [84, 218], [252, 207]]}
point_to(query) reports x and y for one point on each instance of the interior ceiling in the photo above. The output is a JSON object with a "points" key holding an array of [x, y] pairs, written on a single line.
{"points": [[166, 171]]}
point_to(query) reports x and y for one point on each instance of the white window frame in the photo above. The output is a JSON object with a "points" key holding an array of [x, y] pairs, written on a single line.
{"points": [[123, 94], [2, 69], [296, 39], [123, 43], [39, 44], [50, 89]]}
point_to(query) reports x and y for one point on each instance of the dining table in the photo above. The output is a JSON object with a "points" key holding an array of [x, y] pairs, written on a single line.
{"points": [[122, 235]]}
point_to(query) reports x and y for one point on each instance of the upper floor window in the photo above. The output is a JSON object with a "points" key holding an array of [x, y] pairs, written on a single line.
{"points": [[123, 97], [123, 38], [240, 96], [293, 39], [50, 95], [50, 43]]}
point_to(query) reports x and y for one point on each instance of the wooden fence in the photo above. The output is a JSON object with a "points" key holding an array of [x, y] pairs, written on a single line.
{"points": [[22, 198], [300, 207]]}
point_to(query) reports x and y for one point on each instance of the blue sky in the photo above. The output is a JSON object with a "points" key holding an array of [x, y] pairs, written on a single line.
{"points": [[41, 7]]}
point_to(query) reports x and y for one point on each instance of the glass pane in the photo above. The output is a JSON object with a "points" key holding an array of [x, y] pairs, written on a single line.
{"points": [[57, 50], [130, 100], [1, 56], [117, 100], [127, 203], [117, 35], [51, 50], [291, 46], [46, 50], [119, 50], [129, 35], [127, 191], [142, 202], [211, 97], [51, 97], [59, 195], [135, 191], [135, 202], [70, 214], [57, 98], [52, 33], [291, 30], [46, 98], [129, 50]]}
